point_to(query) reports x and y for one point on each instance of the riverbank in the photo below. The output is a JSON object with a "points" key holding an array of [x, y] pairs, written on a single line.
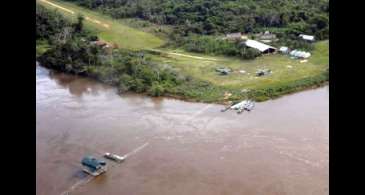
{"points": [[194, 91], [202, 83]]}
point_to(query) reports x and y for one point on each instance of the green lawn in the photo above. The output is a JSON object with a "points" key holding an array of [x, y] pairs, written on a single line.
{"points": [[119, 33], [284, 69], [160, 31]]}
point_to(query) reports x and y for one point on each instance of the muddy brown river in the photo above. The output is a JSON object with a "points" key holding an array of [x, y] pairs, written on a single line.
{"points": [[280, 148]]}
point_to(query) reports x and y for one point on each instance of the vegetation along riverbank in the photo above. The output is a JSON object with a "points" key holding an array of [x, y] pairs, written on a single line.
{"points": [[161, 57]]}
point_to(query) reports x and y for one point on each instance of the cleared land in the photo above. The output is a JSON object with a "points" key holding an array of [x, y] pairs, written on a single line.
{"points": [[285, 71], [107, 28]]}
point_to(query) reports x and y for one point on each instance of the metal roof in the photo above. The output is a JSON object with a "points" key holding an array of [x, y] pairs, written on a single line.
{"points": [[307, 37], [92, 162], [258, 45], [284, 48]]}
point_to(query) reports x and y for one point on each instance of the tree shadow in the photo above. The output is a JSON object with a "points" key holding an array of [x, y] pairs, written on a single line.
{"points": [[77, 85]]}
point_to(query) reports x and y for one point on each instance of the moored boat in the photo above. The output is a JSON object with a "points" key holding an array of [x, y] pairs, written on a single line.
{"points": [[114, 157], [93, 166]]}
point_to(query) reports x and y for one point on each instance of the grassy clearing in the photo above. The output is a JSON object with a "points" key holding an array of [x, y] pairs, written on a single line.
{"points": [[119, 33], [160, 31], [284, 69], [320, 54], [288, 75]]}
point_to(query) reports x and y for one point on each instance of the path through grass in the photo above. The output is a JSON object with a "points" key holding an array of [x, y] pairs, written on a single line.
{"points": [[108, 29]]}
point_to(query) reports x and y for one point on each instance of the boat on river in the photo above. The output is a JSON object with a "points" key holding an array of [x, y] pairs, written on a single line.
{"points": [[114, 157], [93, 166], [247, 105]]}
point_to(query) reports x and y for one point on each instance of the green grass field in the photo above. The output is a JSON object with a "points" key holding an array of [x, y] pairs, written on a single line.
{"points": [[119, 33], [285, 71]]}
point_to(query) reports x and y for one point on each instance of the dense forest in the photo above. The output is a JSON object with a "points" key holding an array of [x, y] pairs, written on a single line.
{"points": [[224, 16]]}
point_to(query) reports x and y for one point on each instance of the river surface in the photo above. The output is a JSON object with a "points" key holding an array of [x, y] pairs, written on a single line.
{"points": [[280, 148]]}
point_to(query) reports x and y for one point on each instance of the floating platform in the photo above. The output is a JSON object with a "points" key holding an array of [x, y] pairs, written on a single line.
{"points": [[93, 166], [95, 172], [247, 105]]}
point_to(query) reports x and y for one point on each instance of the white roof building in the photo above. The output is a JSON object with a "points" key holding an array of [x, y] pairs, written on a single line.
{"points": [[300, 54], [260, 46], [234, 36], [284, 49], [307, 37]]}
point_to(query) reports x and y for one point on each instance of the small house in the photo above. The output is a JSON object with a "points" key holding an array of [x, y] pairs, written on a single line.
{"points": [[263, 48], [308, 38], [234, 36], [99, 43], [103, 44], [266, 37], [284, 50]]}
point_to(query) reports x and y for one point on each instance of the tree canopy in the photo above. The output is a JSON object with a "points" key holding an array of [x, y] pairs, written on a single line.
{"points": [[223, 16]]}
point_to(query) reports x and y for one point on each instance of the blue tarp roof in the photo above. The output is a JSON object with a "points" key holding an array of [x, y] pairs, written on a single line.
{"points": [[92, 162]]}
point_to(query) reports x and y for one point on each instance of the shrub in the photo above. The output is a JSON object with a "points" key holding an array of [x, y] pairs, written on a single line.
{"points": [[156, 89]]}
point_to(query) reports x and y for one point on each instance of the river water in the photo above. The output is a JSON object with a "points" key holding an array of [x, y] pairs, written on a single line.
{"points": [[280, 148]]}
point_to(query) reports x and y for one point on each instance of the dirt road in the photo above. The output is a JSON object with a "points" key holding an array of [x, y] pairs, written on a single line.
{"points": [[73, 13], [184, 55]]}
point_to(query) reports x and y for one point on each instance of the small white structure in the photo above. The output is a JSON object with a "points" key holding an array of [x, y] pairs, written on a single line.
{"points": [[266, 37], [284, 49], [260, 46], [247, 105], [300, 54], [307, 37], [303, 61], [244, 37], [234, 36]]}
